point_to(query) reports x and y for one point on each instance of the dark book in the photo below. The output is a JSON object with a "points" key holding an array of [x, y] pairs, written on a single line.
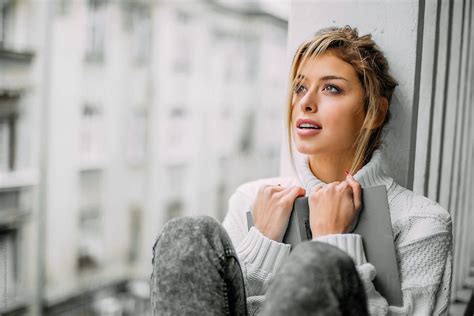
{"points": [[375, 227]]}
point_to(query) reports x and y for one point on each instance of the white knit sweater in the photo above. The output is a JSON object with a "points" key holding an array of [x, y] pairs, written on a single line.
{"points": [[422, 236]]}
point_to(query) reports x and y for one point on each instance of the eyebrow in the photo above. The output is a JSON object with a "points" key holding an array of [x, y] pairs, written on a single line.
{"points": [[328, 77]]}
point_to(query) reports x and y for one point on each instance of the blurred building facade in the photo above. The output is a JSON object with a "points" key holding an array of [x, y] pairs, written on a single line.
{"points": [[116, 116]]}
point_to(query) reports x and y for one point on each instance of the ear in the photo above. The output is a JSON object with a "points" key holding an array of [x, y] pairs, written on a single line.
{"points": [[382, 112]]}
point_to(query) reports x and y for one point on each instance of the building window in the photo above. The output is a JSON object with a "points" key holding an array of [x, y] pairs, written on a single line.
{"points": [[63, 7], [92, 136], [4, 145], [96, 30], [9, 202], [8, 266], [141, 33], [5, 21], [252, 61], [248, 131], [136, 215], [90, 242], [182, 61], [222, 200], [183, 39], [177, 142], [7, 134], [137, 137]]}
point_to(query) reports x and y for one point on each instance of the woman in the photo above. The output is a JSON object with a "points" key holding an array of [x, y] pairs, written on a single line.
{"points": [[338, 105]]}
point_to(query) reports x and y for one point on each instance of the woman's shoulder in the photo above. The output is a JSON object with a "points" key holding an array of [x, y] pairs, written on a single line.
{"points": [[416, 214]]}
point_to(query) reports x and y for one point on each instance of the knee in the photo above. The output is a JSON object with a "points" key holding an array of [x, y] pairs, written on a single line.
{"points": [[190, 231], [322, 254], [196, 225], [310, 280]]}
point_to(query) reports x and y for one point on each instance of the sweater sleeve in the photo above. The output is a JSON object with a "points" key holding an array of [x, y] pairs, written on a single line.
{"points": [[259, 256], [425, 271]]}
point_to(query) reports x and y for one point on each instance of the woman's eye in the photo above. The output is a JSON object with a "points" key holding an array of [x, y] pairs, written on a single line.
{"points": [[332, 89], [299, 88]]}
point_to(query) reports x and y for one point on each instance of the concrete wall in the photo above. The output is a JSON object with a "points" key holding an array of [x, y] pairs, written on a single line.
{"points": [[443, 161]]}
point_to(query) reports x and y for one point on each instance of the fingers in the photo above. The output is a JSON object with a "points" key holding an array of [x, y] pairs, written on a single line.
{"points": [[269, 189], [318, 187], [279, 191], [292, 192], [350, 185], [356, 189], [343, 184]]}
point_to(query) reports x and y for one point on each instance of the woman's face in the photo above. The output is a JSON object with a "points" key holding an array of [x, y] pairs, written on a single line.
{"points": [[327, 106]]}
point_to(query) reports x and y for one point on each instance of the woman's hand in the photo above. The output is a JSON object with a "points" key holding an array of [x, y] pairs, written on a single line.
{"points": [[334, 208], [272, 207]]}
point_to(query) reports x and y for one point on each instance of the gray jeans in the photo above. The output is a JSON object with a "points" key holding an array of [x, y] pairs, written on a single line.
{"points": [[196, 272]]}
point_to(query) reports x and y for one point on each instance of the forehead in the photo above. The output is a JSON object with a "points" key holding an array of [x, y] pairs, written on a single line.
{"points": [[324, 65]]}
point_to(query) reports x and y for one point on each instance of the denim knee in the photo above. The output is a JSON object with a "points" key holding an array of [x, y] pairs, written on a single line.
{"points": [[316, 279], [203, 223], [194, 231], [195, 268], [321, 253]]}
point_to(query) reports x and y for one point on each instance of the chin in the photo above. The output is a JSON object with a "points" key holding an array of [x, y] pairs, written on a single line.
{"points": [[306, 148]]}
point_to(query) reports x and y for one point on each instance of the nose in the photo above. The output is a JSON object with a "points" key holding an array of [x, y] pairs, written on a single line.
{"points": [[308, 103]]}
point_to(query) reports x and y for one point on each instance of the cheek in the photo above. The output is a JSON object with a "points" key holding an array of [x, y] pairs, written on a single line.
{"points": [[337, 114], [344, 122]]}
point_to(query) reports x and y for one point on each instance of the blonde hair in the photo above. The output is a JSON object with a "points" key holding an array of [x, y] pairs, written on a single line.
{"points": [[372, 70]]}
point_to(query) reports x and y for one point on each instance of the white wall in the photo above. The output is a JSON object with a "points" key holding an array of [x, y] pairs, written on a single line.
{"points": [[443, 161]]}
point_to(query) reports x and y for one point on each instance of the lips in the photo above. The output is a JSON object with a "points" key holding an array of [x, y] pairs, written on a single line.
{"points": [[307, 124], [305, 127]]}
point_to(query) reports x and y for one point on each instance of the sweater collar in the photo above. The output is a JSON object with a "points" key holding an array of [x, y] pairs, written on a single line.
{"points": [[369, 175]]}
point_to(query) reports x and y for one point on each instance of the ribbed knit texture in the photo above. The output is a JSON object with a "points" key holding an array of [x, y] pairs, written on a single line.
{"points": [[351, 243], [422, 235], [262, 252], [369, 175]]}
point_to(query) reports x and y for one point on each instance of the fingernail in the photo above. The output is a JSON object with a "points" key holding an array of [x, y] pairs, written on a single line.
{"points": [[346, 172]]}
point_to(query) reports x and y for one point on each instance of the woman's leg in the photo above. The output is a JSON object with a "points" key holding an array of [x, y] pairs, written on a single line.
{"points": [[317, 279], [196, 270]]}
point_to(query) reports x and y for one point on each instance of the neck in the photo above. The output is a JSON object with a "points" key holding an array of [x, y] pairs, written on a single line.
{"points": [[331, 168]]}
